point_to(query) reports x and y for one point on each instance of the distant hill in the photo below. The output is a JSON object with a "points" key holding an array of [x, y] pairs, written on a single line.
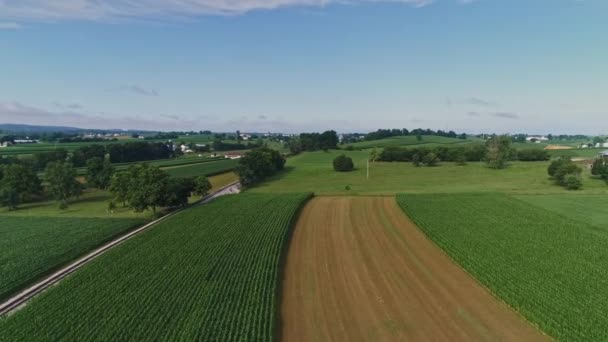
{"points": [[18, 128]]}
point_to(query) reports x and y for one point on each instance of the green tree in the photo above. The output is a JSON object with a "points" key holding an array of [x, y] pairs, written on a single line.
{"points": [[17, 184], [498, 149], [343, 163], [119, 187], [258, 164], [373, 155], [147, 186], [99, 172], [430, 159], [416, 160], [599, 167], [62, 183], [177, 191], [201, 186]]}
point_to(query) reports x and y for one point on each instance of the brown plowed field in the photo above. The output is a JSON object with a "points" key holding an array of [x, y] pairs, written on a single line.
{"points": [[359, 270]]}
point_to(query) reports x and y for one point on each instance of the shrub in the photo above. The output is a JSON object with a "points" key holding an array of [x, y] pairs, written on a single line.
{"points": [[416, 160], [573, 182], [430, 159], [342, 163]]}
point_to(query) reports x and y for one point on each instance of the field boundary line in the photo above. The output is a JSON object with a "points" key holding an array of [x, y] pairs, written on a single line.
{"points": [[15, 302]]}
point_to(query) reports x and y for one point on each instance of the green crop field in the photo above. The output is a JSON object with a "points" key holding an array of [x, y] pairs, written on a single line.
{"points": [[591, 209], [551, 269], [313, 171], [411, 140], [209, 273], [202, 169], [32, 246]]}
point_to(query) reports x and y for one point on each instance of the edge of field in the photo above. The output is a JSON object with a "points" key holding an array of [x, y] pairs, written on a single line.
{"points": [[417, 223], [278, 322], [144, 225], [58, 267]]}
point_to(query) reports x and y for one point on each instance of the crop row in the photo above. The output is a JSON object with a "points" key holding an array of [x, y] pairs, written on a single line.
{"points": [[209, 273], [32, 246], [202, 169], [550, 268]]}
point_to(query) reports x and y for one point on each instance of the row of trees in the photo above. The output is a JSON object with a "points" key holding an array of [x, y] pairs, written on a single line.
{"points": [[387, 133], [259, 164], [327, 140], [144, 187], [497, 152], [140, 151]]}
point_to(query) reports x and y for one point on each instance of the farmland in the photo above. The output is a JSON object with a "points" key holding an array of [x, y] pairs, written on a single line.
{"points": [[32, 246], [411, 140], [202, 169], [550, 268], [208, 273], [313, 172], [359, 270]]}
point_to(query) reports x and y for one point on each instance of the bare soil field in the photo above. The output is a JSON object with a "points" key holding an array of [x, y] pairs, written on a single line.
{"points": [[359, 270], [558, 147]]}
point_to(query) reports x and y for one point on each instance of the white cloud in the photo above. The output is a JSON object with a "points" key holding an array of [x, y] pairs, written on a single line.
{"points": [[45, 10]]}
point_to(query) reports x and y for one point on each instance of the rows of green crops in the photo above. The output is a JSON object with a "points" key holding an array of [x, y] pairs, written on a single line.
{"points": [[551, 269], [33, 246], [203, 169], [209, 273]]}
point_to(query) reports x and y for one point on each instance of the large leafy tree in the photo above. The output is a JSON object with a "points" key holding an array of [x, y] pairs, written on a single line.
{"points": [[119, 186], [62, 183], [17, 184], [99, 172], [498, 150], [147, 186], [201, 186], [259, 164]]}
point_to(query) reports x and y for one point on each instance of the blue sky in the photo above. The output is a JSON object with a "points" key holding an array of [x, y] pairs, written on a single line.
{"points": [[534, 66]]}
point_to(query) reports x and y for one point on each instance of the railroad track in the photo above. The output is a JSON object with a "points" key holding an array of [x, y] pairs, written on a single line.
{"points": [[21, 298]]}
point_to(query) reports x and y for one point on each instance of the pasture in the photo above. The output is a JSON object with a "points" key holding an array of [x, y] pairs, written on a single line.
{"points": [[550, 268], [207, 273], [313, 171], [359, 270]]}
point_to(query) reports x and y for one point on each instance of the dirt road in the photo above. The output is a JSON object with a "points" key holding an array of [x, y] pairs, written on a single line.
{"points": [[359, 270]]}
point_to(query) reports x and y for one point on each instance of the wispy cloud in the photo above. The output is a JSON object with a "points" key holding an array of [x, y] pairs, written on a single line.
{"points": [[15, 112], [138, 90], [9, 26], [169, 116], [481, 102], [45, 10], [506, 115]]}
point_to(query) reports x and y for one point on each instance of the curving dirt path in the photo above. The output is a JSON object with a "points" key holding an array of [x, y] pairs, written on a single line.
{"points": [[359, 270]]}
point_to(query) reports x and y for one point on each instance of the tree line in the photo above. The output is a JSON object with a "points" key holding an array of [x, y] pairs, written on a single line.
{"points": [[259, 164], [387, 133], [140, 187], [327, 140]]}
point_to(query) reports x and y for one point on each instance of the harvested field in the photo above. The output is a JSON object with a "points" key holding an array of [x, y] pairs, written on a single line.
{"points": [[558, 147], [359, 270]]}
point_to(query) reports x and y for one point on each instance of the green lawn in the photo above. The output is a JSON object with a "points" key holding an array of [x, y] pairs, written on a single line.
{"points": [[32, 246], [93, 203], [411, 140], [210, 273], [551, 269], [313, 171]]}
